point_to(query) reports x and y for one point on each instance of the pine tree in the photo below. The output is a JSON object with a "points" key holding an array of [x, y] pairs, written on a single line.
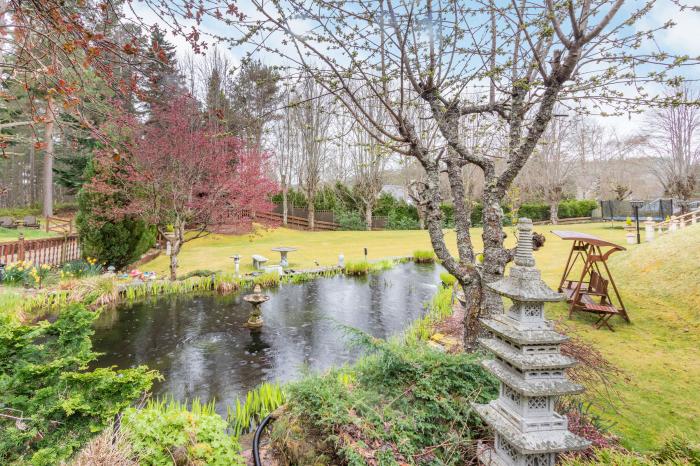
{"points": [[254, 99], [162, 78], [218, 105]]}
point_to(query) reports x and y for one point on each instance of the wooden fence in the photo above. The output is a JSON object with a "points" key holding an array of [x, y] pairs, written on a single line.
{"points": [[60, 225], [566, 221], [299, 223], [54, 251]]}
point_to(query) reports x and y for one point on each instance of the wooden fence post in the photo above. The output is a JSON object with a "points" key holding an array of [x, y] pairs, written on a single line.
{"points": [[62, 259], [20, 253]]}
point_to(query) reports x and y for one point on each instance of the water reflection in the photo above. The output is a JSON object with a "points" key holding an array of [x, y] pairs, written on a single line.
{"points": [[200, 346]]}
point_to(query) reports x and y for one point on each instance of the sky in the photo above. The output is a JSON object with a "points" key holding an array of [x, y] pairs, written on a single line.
{"points": [[680, 39]]}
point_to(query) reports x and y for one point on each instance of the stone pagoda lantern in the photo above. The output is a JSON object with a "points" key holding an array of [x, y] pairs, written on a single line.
{"points": [[530, 368]]}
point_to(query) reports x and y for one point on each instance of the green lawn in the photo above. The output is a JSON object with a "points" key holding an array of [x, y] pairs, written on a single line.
{"points": [[660, 283], [11, 234]]}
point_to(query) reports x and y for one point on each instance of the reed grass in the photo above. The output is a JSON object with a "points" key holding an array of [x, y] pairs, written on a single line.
{"points": [[447, 279], [258, 403], [439, 308], [423, 256]]}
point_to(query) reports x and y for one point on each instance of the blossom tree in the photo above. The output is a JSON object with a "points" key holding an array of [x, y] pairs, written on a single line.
{"points": [[179, 174]]}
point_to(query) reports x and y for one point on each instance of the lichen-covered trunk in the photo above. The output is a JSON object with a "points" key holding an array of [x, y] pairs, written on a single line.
{"points": [[553, 212], [495, 256]]}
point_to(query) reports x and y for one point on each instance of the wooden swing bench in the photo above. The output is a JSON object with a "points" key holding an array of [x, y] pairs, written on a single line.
{"points": [[591, 293], [597, 288]]}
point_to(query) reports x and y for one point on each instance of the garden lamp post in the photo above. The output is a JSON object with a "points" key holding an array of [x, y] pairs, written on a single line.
{"points": [[637, 205], [236, 263]]}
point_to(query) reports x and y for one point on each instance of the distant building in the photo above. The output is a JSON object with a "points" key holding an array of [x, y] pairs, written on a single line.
{"points": [[397, 191]]}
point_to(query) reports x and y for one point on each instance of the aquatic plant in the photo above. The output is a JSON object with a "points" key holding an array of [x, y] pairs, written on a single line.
{"points": [[439, 308], [267, 279], [258, 403], [364, 267], [424, 257], [447, 279]]}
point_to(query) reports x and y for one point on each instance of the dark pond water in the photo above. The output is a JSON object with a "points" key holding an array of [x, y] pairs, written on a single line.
{"points": [[200, 346]]}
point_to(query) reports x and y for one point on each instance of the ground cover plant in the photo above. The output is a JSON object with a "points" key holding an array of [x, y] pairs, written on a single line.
{"points": [[660, 371], [655, 353], [50, 403], [168, 432], [403, 404]]}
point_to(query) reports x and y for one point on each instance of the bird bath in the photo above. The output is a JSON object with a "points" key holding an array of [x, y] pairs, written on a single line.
{"points": [[256, 299]]}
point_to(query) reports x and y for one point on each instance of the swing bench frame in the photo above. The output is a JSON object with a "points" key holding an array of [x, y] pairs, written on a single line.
{"points": [[591, 292]]}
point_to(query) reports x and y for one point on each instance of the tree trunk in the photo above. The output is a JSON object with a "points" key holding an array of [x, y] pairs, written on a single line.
{"points": [[311, 218], [368, 216], [33, 194], [177, 242], [495, 256], [553, 212], [48, 158], [174, 250], [285, 208]]}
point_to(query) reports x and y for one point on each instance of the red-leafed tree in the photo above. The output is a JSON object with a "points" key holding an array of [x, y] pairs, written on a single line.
{"points": [[179, 174]]}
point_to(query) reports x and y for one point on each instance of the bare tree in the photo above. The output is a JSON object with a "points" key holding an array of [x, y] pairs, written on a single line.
{"points": [[369, 159], [549, 171], [313, 108], [287, 150], [673, 136], [513, 61]]}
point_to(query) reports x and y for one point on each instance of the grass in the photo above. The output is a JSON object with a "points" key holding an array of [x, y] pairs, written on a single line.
{"points": [[7, 235], [659, 282]]}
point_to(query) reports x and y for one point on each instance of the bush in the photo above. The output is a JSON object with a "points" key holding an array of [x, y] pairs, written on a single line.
{"points": [[397, 221], [350, 220], [400, 404], [117, 243], [44, 382], [166, 432], [199, 273]]}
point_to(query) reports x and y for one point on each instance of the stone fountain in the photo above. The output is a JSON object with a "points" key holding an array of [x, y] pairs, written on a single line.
{"points": [[256, 299]]}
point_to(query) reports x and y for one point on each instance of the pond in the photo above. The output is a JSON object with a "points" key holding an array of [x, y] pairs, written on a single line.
{"points": [[200, 346]]}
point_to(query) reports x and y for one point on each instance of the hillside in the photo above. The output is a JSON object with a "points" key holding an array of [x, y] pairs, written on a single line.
{"points": [[660, 284]]}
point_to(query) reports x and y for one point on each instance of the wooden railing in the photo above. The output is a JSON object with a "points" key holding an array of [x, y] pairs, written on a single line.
{"points": [[299, 223], [678, 221], [54, 251], [63, 226], [565, 221]]}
